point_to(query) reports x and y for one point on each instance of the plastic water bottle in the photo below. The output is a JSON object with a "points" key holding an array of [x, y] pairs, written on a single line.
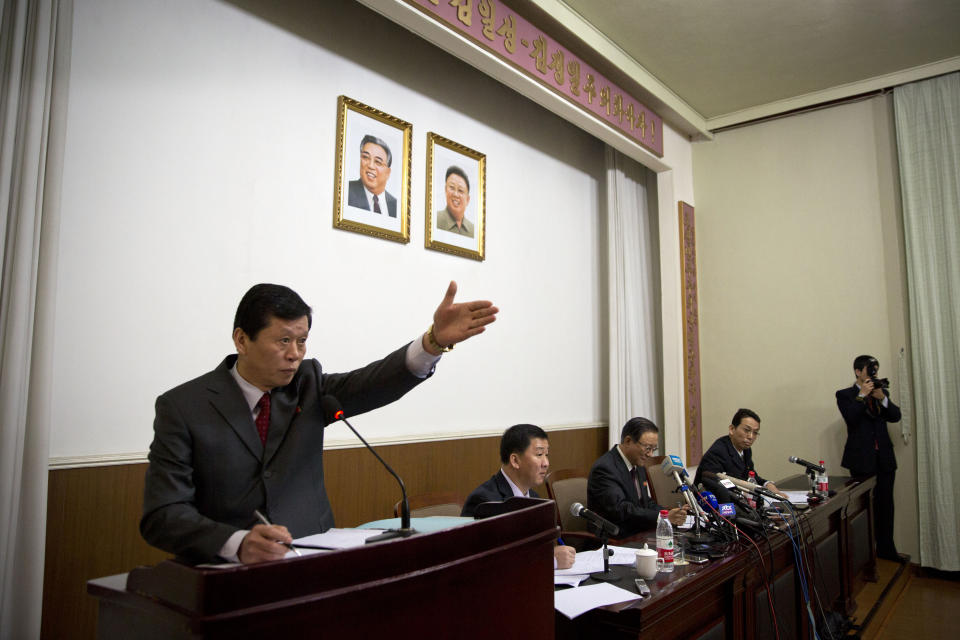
{"points": [[823, 488], [752, 479], [665, 541]]}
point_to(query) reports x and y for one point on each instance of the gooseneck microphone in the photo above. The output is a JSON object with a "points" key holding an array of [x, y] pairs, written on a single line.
{"points": [[809, 465], [334, 413], [581, 511]]}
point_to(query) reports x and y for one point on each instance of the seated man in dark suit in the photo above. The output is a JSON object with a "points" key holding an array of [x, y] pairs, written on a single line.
{"points": [[731, 453], [617, 485], [524, 458], [248, 436]]}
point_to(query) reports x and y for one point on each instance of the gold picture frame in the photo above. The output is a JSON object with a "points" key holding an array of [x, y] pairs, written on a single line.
{"points": [[456, 217], [367, 143]]}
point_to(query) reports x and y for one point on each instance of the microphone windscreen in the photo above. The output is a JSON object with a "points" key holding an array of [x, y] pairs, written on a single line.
{"points": [[576, 508], [332, 411]]}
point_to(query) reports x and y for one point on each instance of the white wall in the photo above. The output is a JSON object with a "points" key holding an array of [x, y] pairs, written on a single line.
{"points": [[801, 269], [199, 161]]}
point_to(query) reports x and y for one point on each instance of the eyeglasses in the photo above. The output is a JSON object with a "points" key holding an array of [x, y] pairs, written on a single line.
{"points": [[749, 431], [649, 449]]}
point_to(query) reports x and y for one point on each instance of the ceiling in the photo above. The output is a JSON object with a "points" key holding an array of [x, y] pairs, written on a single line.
{"points": [[734, 61]]}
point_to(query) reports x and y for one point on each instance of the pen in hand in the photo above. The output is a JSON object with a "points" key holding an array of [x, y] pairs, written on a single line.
{"points": [[264, 520]]}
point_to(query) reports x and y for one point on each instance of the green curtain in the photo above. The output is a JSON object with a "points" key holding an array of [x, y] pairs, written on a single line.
{"points": [[928, 138]]}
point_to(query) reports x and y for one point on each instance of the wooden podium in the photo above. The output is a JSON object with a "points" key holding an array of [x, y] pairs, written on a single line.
{"points": [[480, 580]]}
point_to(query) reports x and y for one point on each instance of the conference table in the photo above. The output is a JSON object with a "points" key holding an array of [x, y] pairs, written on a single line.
{"points": [[493, 578], [728, 597]]}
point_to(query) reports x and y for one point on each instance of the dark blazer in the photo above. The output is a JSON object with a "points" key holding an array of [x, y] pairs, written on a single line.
{"points": [[356, 197], [868, 448], [208, 471], [496, 489], [722, 457], [611, 493]]}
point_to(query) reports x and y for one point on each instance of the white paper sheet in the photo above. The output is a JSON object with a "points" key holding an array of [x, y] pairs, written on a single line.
{"points": [[592, 561], [579, 600], [338, 538]]}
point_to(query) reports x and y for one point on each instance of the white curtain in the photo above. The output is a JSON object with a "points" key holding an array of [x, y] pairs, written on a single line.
{"points": [[634, 293], [928, 139], [35, 40]]}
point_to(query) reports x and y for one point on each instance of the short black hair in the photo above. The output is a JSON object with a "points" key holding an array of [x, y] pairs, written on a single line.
{"points": [[517, 438], [862, 362], [264, 301], [380, 143], [636, 427], [455, 170], [744, 413]]}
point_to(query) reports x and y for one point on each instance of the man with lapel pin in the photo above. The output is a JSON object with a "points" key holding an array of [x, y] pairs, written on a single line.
{"points": [[731, 454], [248, 436], [617, 484]]}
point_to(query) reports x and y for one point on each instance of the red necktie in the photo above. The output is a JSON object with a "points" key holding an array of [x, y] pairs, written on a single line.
{"points": [[263, 418], [376, 205]]}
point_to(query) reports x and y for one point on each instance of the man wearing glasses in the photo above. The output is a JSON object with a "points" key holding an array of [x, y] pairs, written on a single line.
{"points": [[731, 454], [617, 485]]}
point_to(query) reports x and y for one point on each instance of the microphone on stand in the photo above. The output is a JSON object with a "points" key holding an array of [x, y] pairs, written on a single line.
{"points": [[719, 485], [673, 466], [607, 529], [755, 489], [809, 465], [334, 413], [602, 523]]}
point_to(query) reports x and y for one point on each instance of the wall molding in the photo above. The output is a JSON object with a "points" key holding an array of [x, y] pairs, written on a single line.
{"points": [[140, 457]]}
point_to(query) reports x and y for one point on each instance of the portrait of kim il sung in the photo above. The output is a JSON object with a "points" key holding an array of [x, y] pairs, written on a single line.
{"points": [[372, 175], [456, 188]]}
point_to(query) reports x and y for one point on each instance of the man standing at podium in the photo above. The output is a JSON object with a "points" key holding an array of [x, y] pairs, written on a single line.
{"points": [[248, 436], [524, 460]]}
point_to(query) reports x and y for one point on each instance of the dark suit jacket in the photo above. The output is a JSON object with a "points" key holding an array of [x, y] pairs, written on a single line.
{"points": [[611, 493], [868, 448], [208, 471], [722, 457], [496, 489], [356, 197]]}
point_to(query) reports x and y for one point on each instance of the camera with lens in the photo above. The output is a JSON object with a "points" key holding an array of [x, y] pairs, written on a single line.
{"points": [[878, 383]]}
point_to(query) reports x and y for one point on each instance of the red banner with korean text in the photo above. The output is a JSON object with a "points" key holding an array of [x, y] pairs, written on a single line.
{"points": [[512, 38]]}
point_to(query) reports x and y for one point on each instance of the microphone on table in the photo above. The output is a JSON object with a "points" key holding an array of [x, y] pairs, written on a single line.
{"points": [[606, 528], [819, 468], [334, 413], [581, 511], [673, 467], [725, 488], [753, 488]]}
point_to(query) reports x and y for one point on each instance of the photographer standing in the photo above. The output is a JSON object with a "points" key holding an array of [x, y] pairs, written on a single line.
{"points": [[866, 408]]}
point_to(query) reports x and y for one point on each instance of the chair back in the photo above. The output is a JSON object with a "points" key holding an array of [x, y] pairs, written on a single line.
{"points": [[434, 503], [566, 486], [662, 488]]}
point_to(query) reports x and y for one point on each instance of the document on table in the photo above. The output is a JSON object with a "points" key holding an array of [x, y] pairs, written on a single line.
{"points": [[592, 561], [579, 600], [796, 497], [569, 580], [337, 538]]}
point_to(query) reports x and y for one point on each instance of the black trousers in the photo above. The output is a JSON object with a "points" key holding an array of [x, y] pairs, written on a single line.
{"points": [[883, 512], [883, 515]]}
